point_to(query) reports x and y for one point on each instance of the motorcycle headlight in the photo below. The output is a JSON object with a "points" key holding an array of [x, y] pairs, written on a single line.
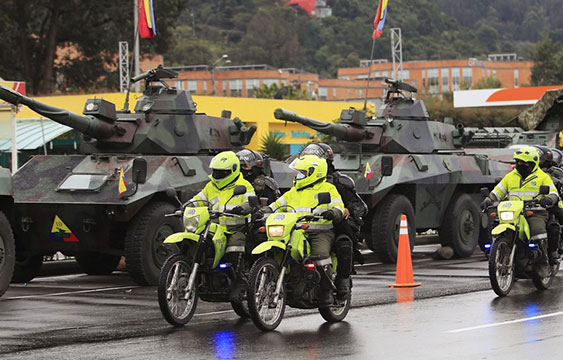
{"points": [[507, 215], [275, 230], [191, 223]]}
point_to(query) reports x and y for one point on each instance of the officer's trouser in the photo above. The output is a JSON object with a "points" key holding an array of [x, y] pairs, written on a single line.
{"points": [[236, 238], [321, 242]]}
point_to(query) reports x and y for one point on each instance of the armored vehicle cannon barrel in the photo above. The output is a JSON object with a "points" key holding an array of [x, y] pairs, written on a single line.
{"points": [[344, 132], [88, 125]]}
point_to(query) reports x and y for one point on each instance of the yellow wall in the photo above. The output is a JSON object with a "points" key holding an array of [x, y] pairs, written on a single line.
{"points": [[251, 111]]}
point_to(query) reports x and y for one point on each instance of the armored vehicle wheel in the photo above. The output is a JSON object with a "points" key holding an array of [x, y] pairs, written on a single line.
{"points": [[460, 226], [93, 263], [385, 224], [7, 253], [144, 252], [27, 267]]}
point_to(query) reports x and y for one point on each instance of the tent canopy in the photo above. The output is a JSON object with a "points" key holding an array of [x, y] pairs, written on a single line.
{"points": [[33, 133]]}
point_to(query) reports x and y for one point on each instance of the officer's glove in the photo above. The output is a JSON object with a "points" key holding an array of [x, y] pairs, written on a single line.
{"points": [[546, 202], [258, 214], [328, 215], [486, 203], [238, 210]]}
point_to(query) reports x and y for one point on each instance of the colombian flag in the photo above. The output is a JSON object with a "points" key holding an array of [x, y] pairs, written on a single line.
{"points": [[122, 184], [379, 20], [147, 27], [368, 173]]}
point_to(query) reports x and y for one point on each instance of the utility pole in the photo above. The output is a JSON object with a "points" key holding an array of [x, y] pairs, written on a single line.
{"points": [[123, 66], [212, 70], [397, 51]]}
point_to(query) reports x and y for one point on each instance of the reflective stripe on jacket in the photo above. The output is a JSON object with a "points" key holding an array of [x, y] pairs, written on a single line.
{"points": [[514, 187], [218, 199], [305, 200]]}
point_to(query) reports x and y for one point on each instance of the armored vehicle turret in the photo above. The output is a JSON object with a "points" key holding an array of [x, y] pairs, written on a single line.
{"points": [[404, 163], [7, 246], [111, 201]]}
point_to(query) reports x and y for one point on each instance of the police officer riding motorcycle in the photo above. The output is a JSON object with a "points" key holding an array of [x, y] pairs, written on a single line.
{"points": [[346, 245], [254, 169]]}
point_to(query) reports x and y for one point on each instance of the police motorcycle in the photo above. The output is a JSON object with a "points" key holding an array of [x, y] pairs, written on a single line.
{"points": [[512, 254], [198, 270], [285, 273]]}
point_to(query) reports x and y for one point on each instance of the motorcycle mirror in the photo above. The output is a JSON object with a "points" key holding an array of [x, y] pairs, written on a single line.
{"points": [[484, 220], [544, 189], [171, 193], [239, 190], [324, 198], [485, 191], [253, 201]]}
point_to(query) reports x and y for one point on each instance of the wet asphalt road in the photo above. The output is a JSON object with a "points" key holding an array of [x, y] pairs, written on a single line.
{"points": [[109, 317]]}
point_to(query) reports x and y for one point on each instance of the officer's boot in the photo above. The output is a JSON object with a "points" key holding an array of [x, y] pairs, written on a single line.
{"points": [[343, 248], [542, 263], [553, 243], [325, 288], [235, 259]]}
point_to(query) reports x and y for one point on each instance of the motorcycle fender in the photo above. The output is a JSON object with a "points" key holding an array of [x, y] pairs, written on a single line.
{"points": [[181, 236], [268, 245], [500, 228], [524, 230]]}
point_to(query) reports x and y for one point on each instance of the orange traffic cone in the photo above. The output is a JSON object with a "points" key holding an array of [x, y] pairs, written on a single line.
{"points": [[404, 277]]}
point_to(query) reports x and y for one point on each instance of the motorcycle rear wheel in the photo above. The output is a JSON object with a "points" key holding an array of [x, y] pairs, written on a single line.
{"points": [[337, 313], [261, 287], [175, 309], [501, 274], [545, 282]]}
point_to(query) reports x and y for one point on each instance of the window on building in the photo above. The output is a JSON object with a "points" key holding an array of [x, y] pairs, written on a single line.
{"points": [[424, 81], [494, 74], [467, 77], [322, 93], [433, 81], [334, 93], [270, 82], [404, 75], [445, 79], [456, 83], [205, 86], [516, 79], [361, 93], [235, 87], [179, 85], [224, 87], [250, 85], [192, 86]]}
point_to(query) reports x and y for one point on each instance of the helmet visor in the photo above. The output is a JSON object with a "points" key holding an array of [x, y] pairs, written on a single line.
{"points": [[220, 174], [246, 157], [301, 174]]}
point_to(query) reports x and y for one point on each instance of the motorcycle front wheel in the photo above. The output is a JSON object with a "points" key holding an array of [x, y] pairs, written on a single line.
{"points": [[545, 282], [337, 312], [501, 273], [263, 277], [172, 289]]}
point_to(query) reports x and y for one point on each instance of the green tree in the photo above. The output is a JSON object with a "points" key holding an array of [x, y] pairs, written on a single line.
{"points": [[34, 31], [548, 68], [488, 83], [273, 146]]}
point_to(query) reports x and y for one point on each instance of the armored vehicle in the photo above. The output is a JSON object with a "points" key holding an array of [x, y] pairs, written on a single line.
{"points": [[111, 200], [7, 247], [403, 163]]}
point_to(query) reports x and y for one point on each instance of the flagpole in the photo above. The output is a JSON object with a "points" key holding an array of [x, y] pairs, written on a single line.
{"points": [[136, 46], [369, 72]]}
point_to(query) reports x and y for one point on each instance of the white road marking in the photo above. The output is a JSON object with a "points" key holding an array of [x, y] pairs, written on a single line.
{"points": [[68, 293], [215, 313], [506, 322]]}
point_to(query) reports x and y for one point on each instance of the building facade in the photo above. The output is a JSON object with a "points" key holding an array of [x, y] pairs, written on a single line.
{"points": [[430, 77]]}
